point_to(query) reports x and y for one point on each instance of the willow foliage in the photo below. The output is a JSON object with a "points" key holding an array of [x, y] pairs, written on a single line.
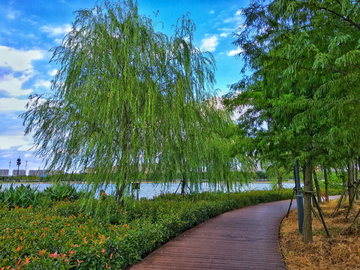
{"points": [[129, 101]]}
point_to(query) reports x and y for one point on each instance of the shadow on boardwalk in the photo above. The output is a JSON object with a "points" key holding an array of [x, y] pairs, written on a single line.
{"points": [[247, 238]]}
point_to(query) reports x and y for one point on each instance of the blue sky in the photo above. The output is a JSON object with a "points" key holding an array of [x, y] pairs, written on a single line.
{"points": [[28, 29]]}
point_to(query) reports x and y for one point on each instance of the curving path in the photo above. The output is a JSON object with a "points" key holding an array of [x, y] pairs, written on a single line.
{"points": [[247, 238]]}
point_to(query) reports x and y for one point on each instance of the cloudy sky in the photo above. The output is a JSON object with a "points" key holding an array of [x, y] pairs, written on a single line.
{"points": [[28, 29]]}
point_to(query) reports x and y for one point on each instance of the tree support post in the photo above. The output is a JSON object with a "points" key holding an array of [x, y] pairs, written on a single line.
{"points": [[321, 215], [352, 199], [343, 195], [292, 197]]}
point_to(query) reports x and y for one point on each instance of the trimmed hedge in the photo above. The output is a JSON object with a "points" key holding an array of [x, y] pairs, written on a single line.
{"points": [[60, 236]]}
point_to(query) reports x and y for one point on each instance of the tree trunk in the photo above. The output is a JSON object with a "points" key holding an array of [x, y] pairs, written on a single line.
{"points": [[183, 185], [350, 180], [119, 194], [303, 174], [356, 180], [318, 191], [308, 188], [326, 186], [279, 182]]}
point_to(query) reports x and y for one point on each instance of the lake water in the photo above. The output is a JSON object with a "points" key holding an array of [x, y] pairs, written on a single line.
{"points": [[150, 190]]}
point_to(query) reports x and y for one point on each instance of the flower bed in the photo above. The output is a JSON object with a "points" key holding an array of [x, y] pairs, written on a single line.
{"points": [[59, 235]]}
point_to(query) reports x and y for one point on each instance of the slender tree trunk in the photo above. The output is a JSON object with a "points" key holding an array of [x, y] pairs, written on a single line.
{"points": [[183, 185], [120, 192], [279, 180], [356, 180], [326, 185], [318, 191], [350, 180], [303, 174], [308, 188]]}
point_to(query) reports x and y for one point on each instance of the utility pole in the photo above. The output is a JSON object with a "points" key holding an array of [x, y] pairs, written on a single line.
{"points": [[18, 163]]}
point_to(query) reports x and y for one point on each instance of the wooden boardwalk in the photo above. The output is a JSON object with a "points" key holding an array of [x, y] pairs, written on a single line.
{"points": [[247, 238]]}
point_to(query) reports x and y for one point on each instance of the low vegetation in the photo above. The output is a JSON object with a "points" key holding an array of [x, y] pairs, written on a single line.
{"points": [[63, 234]]}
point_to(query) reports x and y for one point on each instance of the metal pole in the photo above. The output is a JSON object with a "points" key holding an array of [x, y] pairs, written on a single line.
{"points": [[299, 197]]}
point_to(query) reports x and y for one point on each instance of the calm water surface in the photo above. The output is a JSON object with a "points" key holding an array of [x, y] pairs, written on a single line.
{"points": [[150, 190]]}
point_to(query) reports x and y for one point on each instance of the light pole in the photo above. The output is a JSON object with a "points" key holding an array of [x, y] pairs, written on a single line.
{"points": [[26, 168]]}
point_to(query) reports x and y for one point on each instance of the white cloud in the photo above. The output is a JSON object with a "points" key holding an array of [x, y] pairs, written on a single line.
{"points": [[209, 44], [43, 83], [21, 142], [58, 41], [211, 12], [12, 85], [18, 60], [236, 19], [235, 52], [12, 104], [226, 31], [56, 31], [27, 155], [53, 72], [12, 14]]}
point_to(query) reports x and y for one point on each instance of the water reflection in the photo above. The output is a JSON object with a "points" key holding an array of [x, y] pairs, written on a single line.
{"points": [[150, 190]]}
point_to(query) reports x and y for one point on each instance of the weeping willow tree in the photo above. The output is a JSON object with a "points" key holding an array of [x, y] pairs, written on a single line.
{"points": [[127, 101]]}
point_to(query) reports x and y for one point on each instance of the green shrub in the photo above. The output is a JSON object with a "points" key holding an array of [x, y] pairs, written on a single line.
{"points": [[23, 196], [59, 235], [60, 192]]}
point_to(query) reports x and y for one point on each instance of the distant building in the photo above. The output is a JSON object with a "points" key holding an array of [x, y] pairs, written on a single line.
{"points": [[4, 172], [53, 172], [37, 172], [21, 172]]}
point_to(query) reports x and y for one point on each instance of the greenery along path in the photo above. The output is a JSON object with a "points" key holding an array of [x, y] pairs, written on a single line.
{"points": [[247, 238]]}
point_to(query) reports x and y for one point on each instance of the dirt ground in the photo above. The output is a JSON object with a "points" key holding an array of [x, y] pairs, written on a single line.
{"points": [[340, 251]]}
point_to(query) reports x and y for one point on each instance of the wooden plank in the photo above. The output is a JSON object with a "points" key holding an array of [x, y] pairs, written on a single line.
{"points": [[247, 238]]}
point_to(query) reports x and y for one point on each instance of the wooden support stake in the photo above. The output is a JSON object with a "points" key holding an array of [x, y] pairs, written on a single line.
{"points": [[177, 188], [339, 203], [292, 197], [351, 200], [321, 216], [356, 217], [314, 212]]}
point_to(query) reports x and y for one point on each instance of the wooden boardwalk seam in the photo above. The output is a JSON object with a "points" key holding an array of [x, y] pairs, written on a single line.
{"points": [[246, 238]]}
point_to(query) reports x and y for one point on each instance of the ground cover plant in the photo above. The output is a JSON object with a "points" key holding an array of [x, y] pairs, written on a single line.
{"points": [[62, 235]]}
